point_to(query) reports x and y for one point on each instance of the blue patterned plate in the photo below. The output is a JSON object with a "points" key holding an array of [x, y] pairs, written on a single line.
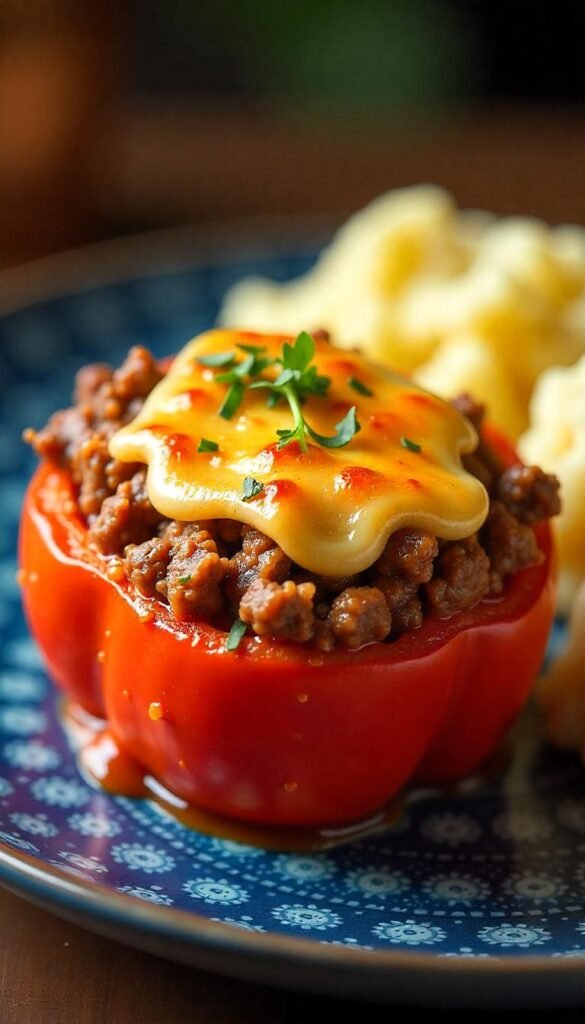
{"points": [[475, 898]]}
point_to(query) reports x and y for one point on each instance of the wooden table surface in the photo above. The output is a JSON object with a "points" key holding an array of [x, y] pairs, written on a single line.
{"points": [[160, 167], [52, 972]]}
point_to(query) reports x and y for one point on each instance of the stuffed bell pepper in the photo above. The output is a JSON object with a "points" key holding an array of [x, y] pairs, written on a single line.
{"points": [[282, 581]]}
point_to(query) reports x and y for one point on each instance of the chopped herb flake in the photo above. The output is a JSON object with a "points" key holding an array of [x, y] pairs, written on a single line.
{"points": [[252, 488], [254, 350], [184, 579], [412, 446], [207, 446], [236, 635], [216, 359], [232, 400], [360, 387]]}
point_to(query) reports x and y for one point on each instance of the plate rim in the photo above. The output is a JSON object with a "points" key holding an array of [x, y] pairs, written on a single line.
{"points": [[160, 251], [64, 889]]}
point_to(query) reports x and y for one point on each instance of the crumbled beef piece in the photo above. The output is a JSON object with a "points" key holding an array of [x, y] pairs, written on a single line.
{"points": [[96, 473], [511, 545], [323, 637], [409, 554], [259, 558], [405, 564], [230, 531], [408, 616], [78, 438], [321, 334], [61, 435], [146, 564], [359, 615], [529, 494], [137, 376], [397, 592], [283, 611], [175, 528], [120, 399], [474, 465], [471, 409], [89, 380], [321, 609], [483, 463], [462, 577], [402, 601], [195, 573], [127, 517], [326, 585]]}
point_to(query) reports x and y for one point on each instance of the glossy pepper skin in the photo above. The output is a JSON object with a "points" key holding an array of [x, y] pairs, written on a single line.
{"points": [[270, 733]]}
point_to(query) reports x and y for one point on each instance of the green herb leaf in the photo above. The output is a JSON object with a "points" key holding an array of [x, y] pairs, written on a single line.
{"points": [[236, 635], [298, 355], [251, 488], [207, 446], [347, 428], [252, 365], [216, 359], [283, 378], [226, 378], [360, 387], [295, 434], [313, 383], [184, 579], [255, 350], [273, 399], [232, 400], [412, 446]]}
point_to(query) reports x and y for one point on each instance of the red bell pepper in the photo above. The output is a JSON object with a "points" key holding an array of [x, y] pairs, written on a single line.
{"points": [[274, 733]]}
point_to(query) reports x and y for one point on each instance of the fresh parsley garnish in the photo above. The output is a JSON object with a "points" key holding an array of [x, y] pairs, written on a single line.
{"points": [[412, 446], [235, 635], [298, 378], [184, 579], [360, 387], [205, 445], [252, 488]]}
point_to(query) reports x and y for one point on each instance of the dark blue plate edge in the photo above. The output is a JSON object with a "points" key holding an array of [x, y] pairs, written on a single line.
{"points": [[398, 976], [151, 253]]}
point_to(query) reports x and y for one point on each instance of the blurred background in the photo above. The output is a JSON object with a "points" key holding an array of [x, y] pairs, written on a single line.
{"points": [[125, 115]]}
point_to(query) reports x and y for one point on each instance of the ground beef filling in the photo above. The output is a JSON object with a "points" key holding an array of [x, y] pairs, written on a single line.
{"points": [[218, 570]]}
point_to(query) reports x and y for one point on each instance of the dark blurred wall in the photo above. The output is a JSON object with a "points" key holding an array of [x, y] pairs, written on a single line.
{"points": [[334, 55], [120, 115], [360, 53]]}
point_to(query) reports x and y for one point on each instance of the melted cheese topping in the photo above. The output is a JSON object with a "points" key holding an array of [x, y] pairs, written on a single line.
{"points": [[331, 510]]}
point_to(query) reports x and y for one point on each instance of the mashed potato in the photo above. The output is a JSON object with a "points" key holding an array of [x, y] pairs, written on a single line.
{"points": [[561, 693], [467, 302], [556, 441], [463, 300]]}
